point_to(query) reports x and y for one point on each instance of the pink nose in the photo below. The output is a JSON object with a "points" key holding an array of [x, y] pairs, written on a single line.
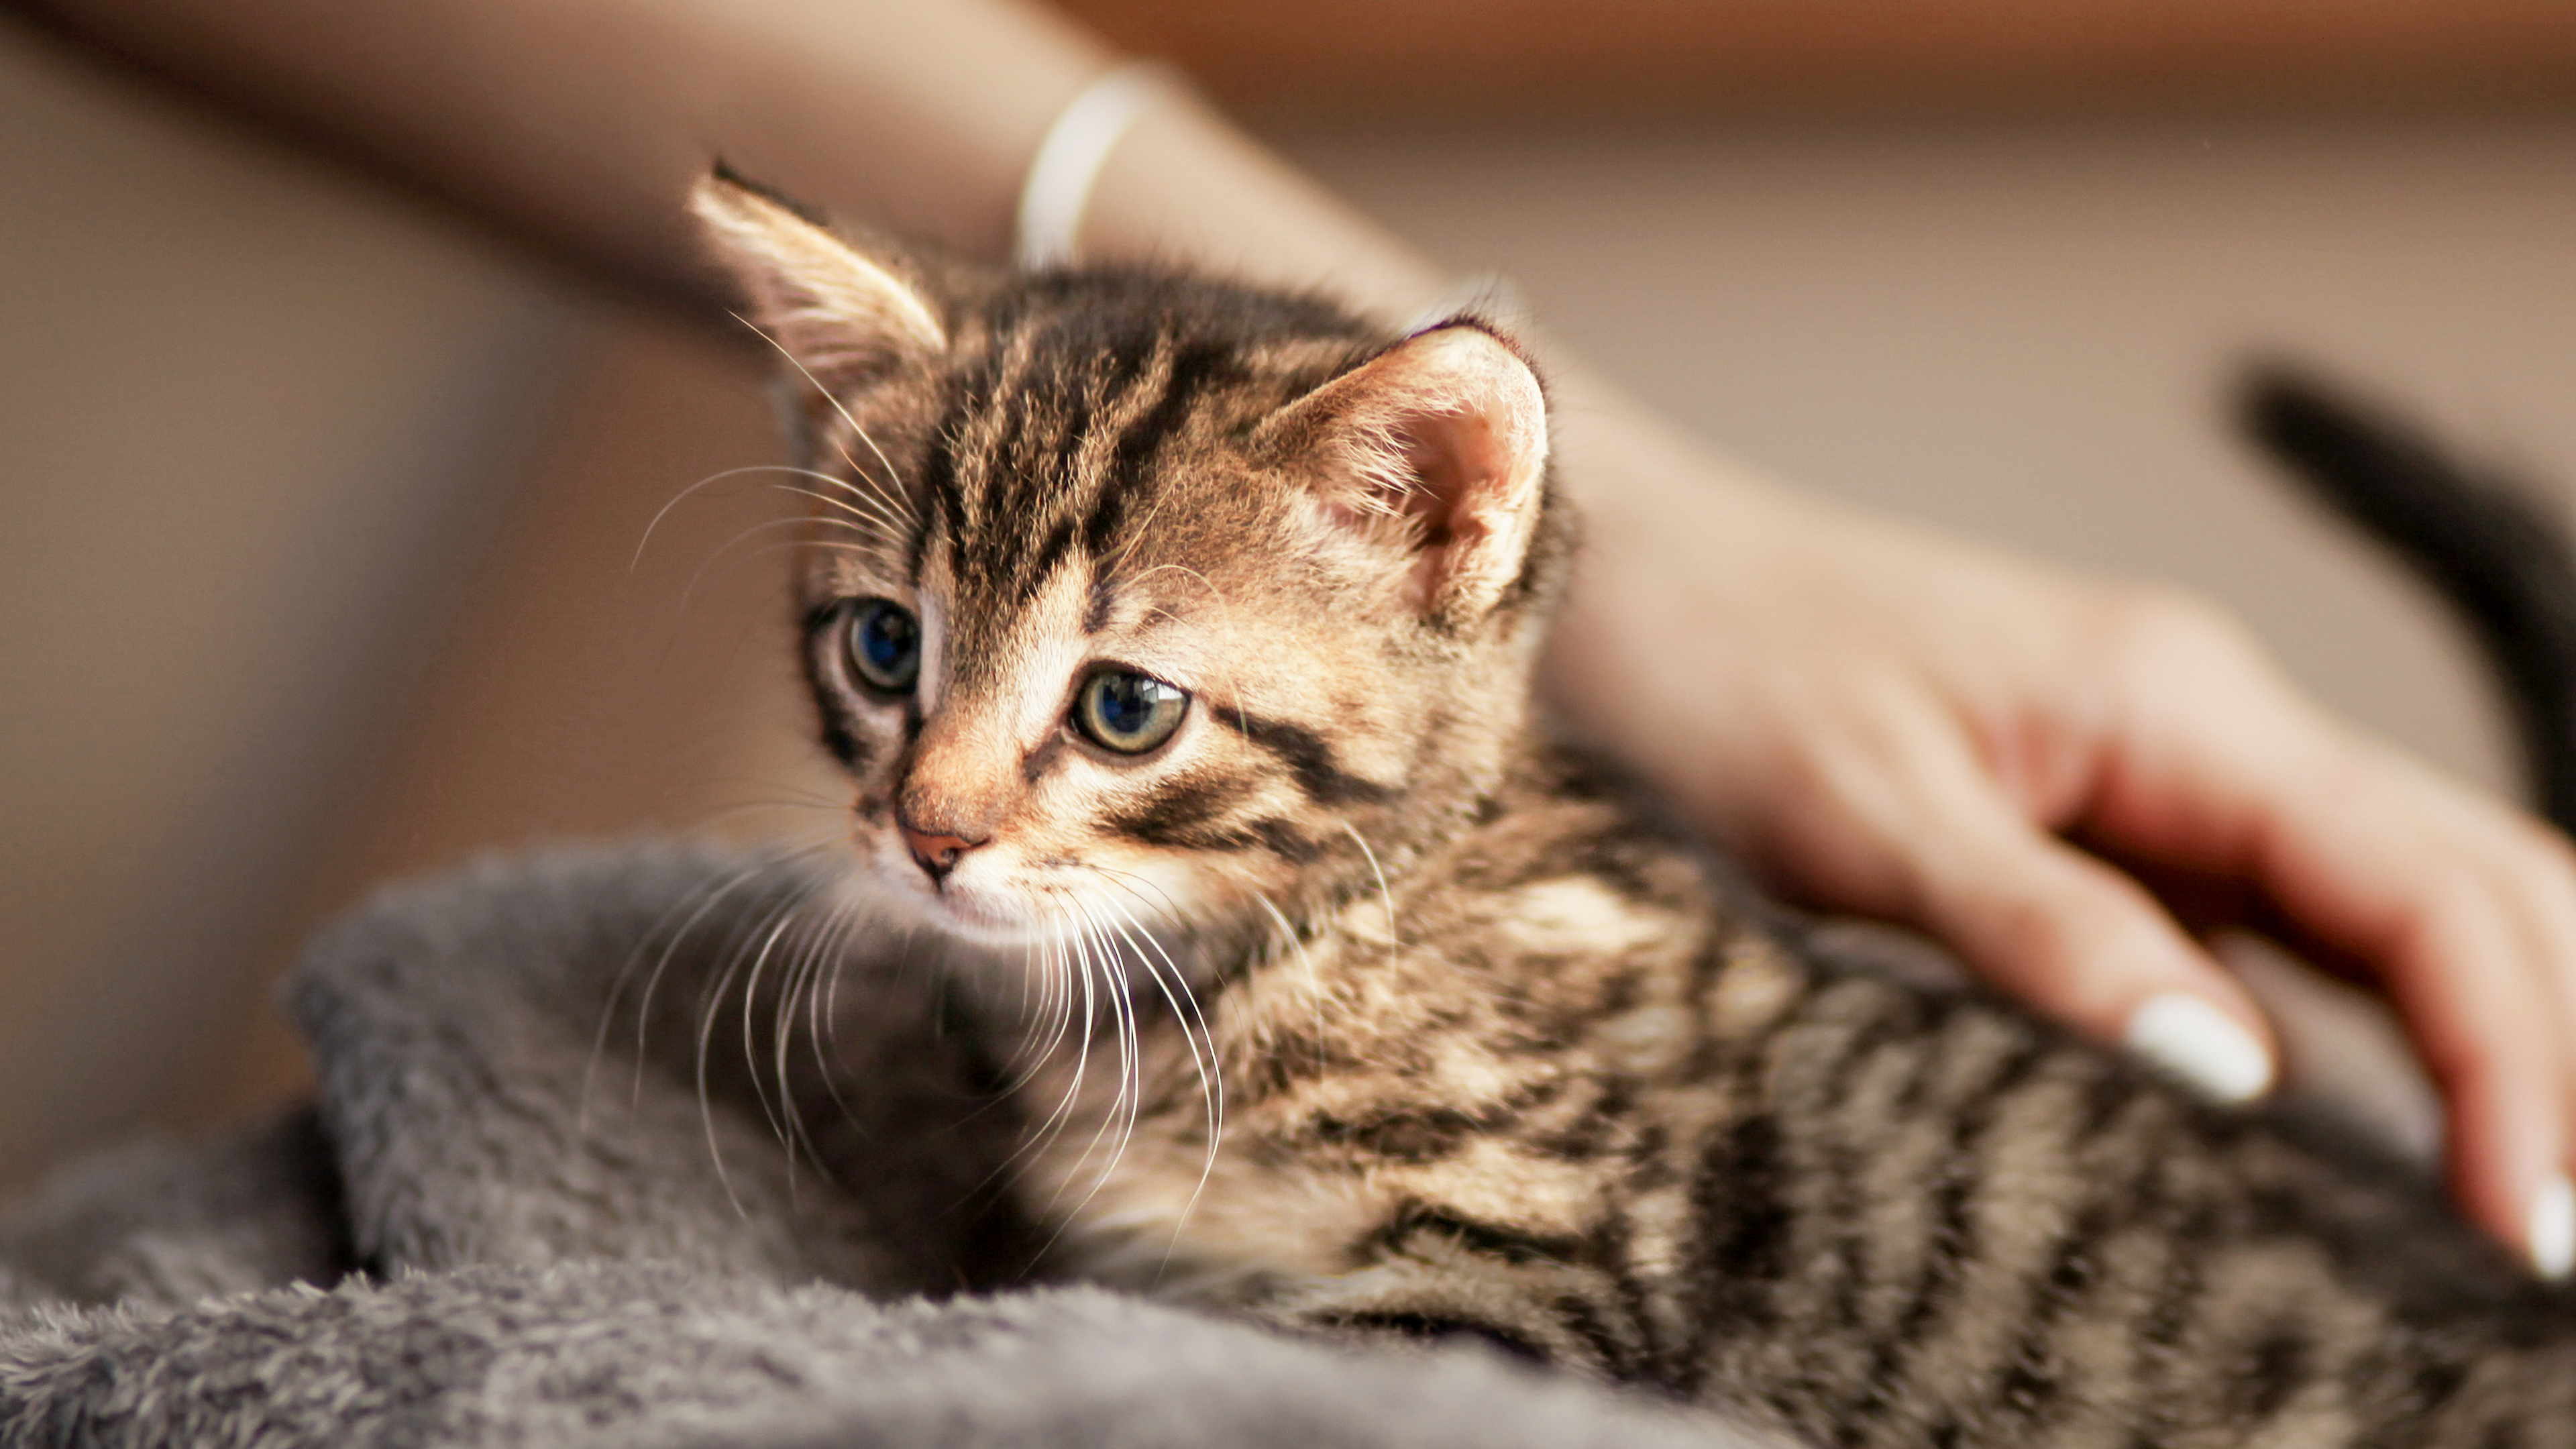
{"points": [[935, 853]]}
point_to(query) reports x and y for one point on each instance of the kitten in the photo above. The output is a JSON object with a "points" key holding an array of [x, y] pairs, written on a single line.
{"points": [[1177, 637]]}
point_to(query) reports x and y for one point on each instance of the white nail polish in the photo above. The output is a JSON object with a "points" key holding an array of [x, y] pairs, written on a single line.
{"points": [[2552, 1236], [2204, 1046]]}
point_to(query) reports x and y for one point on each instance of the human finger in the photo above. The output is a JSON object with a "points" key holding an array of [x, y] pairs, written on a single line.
{"points": [[2467, 923], [2082, 942], [2470, 934], [1916, 826]]}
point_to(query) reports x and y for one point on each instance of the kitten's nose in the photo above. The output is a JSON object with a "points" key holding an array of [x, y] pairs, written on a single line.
{"points": [[934, 852]]}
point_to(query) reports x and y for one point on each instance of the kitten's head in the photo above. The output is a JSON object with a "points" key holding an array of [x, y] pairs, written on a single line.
{"points": [[1134, 596]]}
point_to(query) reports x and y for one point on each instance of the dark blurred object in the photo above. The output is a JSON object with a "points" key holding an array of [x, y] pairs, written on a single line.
{"points": [[2483, 542], [1487, 59]]}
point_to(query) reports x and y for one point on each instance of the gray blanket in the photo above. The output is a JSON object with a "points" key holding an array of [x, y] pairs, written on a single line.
{"points": [[547, 1195]]}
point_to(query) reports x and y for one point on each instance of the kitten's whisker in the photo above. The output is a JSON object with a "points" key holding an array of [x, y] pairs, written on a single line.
{"points": [[862, 502], [1088, 953], [824, 392], [1176, 991], [1185, 1005], [1056, 1007], [890, 492], [793, 966], [801, 966], [880, 524], [1171, 908], [834, 800], [1078, 971], [1049, 1018], [787, 917], [1090, 963], [867, 516], [822, 990], [713, 1008], [1060, 1116], [1383, 893], [869, 537], [1314, 980], [1128, 1105], [708, 897], [892, 487], [747, 807], [792, 796], [683, 496], [1136, 538], [689, 594]]}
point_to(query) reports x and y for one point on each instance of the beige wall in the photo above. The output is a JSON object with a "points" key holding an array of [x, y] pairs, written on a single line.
{"points": [[245, 412], [316, 519]]}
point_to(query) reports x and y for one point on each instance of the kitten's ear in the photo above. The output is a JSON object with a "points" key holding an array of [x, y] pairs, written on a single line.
{"points": [[1444, 437], [843, 317]]}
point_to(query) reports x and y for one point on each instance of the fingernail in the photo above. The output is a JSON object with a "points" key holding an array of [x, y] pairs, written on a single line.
{"points": [[2553, 1228], [2204, 1046]]}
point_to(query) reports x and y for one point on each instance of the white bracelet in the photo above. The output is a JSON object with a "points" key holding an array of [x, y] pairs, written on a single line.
{"points": [[1068, 161]]}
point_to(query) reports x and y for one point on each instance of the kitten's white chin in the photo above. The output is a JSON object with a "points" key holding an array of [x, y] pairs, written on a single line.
{"points": [[964, 916], [961, 910]]}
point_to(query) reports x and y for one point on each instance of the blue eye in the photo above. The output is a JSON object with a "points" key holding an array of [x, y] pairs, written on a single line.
{"points": [[1128, 712], [885, 645]]}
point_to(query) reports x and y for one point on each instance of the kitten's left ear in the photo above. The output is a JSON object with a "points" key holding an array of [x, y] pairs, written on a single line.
{"points": [[1443, 435], [845, 318]]}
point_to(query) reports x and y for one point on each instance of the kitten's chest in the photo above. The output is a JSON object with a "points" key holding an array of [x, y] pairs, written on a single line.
{"points": [[1512, 1066]]}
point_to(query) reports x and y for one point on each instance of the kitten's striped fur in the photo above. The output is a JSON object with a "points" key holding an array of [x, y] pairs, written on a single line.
{"points": [[1499, 1051]]}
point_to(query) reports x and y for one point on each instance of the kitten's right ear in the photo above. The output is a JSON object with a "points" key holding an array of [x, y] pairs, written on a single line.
{"points": [[1439, 445], [844, 318]]}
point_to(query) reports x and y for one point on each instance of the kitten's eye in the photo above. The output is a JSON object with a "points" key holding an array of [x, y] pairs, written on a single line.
{"points": [[1128, 712], [885, 645]]}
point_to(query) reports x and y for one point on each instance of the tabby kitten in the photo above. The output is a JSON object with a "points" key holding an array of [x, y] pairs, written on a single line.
{"points": [[1178, 637]]}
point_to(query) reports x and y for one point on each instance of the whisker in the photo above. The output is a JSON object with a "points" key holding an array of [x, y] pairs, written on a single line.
{"points": [[1179, 981], [830, 1038], [689, 594], [1175, 992], [1088, 964], [683, 496], [713, 1008], [1126, 1106], [1383, 893], [801, 962], [781, 920], [821, 990], [879, 519], [1055, 960], [1314, 982], [708, 897], [827, 396], [772, 525]]}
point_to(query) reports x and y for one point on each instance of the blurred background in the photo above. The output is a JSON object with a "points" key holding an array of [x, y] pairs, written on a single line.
{"points": [[323, 518]]}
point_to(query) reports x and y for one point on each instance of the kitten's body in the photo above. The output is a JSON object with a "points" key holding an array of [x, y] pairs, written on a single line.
{"points": [[1585, 1103], [1497, 1051]]}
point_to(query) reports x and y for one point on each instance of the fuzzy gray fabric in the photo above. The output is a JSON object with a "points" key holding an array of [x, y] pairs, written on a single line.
{"points": [[540, 1201]]}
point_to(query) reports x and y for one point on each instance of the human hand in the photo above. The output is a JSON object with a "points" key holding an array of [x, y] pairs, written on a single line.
{"points": [[1892, 723]]}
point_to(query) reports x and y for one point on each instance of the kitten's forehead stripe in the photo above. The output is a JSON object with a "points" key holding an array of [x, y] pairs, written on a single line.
{"points": [[1308, 758], [1049, 433]]}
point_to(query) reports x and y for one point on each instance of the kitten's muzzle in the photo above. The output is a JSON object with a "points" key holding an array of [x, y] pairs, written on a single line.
{"points": [[937, 853]]}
